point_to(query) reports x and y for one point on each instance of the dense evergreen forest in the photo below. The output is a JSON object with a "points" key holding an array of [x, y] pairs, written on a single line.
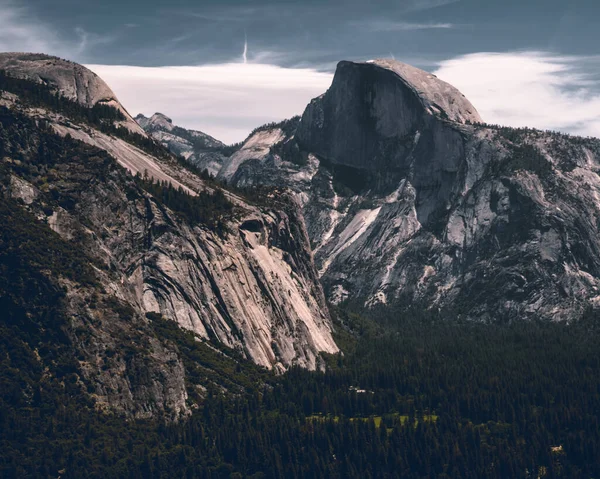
{"points": [[207, 208], [412, 396]]}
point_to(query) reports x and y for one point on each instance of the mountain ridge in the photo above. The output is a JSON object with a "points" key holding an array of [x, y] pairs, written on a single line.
{"points": [[197, 148], [419, 215], [69, 79]]}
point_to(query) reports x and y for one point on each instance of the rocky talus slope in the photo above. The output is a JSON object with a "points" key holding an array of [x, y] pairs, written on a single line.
{"points": [[244, 279], [410, 199]]}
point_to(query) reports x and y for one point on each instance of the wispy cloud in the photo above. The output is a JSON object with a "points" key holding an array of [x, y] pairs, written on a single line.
{"points": [[533, 89], [21, 31], [89, 40], [416, 5], [226, 100], [392, 26], [217, 15]]}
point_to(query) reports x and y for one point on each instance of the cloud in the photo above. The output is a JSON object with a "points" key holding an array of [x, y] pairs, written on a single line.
{"points": [[535, 89], [20, 31], [226, 101], [89, 40], [392, 26], [429, 4]]}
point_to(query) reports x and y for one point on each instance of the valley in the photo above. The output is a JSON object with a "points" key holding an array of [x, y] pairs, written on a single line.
{"points": [[384, 286]]}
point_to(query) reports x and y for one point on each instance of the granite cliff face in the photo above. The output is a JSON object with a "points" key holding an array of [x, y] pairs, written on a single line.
{"points": [[369, 117], [409, 199], [199, 149], [250, 285]]}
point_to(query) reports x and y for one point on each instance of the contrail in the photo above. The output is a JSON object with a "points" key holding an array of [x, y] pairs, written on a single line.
{"points": [[245, 55]]}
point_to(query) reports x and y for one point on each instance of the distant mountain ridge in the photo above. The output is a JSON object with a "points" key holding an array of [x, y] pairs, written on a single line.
{"points": [[196, 147]]}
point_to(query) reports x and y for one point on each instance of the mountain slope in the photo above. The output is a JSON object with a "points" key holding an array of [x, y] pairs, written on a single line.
{"points": [[199, 149], [163, 243], [409, 199]]}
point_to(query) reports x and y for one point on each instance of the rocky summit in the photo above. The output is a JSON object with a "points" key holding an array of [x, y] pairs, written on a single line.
{"points": [[409, 198], [70, 80]]}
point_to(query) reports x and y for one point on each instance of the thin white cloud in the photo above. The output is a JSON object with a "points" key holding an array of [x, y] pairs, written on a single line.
{"points": [[429, 4], [245, 54], [226, 101], [392, 26], [89, 40], [532, 89]]}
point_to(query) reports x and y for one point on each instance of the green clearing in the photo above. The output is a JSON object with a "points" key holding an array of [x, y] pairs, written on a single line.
{"points": [[390, 419]]}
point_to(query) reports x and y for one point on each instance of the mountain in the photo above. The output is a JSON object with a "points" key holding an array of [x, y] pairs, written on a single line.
{"points": [[199, 149], [133, 236], [409, 199], [146, 309]]}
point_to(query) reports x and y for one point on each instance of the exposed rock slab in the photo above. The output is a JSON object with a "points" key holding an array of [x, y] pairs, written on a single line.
{"points": [[71, 80], [409, 200]]}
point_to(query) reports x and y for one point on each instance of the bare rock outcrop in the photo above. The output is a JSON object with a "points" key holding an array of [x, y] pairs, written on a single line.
{"points": [[199, 149], [250, 285], [69, 79]]}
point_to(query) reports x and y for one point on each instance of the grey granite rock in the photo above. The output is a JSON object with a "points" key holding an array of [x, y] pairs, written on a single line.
{"points": [[71, 80], [409, 199], [196, 147], [253, 288]]}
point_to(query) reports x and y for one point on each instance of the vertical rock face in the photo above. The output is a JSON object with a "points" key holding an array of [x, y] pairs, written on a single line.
{"points": [[250, 285], [409, 199], [392, 120], [254, 289], [371, 113]]}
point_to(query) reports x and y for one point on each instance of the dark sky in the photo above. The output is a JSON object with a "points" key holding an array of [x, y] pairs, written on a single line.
{"points": [[311, 33]]}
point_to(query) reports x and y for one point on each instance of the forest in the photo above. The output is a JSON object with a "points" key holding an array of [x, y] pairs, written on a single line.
{"points": [[207, 208], [411, 396]]}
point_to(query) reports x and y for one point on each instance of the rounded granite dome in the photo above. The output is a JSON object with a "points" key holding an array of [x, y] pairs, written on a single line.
{"points": [[377, 114], [438, 97], [71, 80]]}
